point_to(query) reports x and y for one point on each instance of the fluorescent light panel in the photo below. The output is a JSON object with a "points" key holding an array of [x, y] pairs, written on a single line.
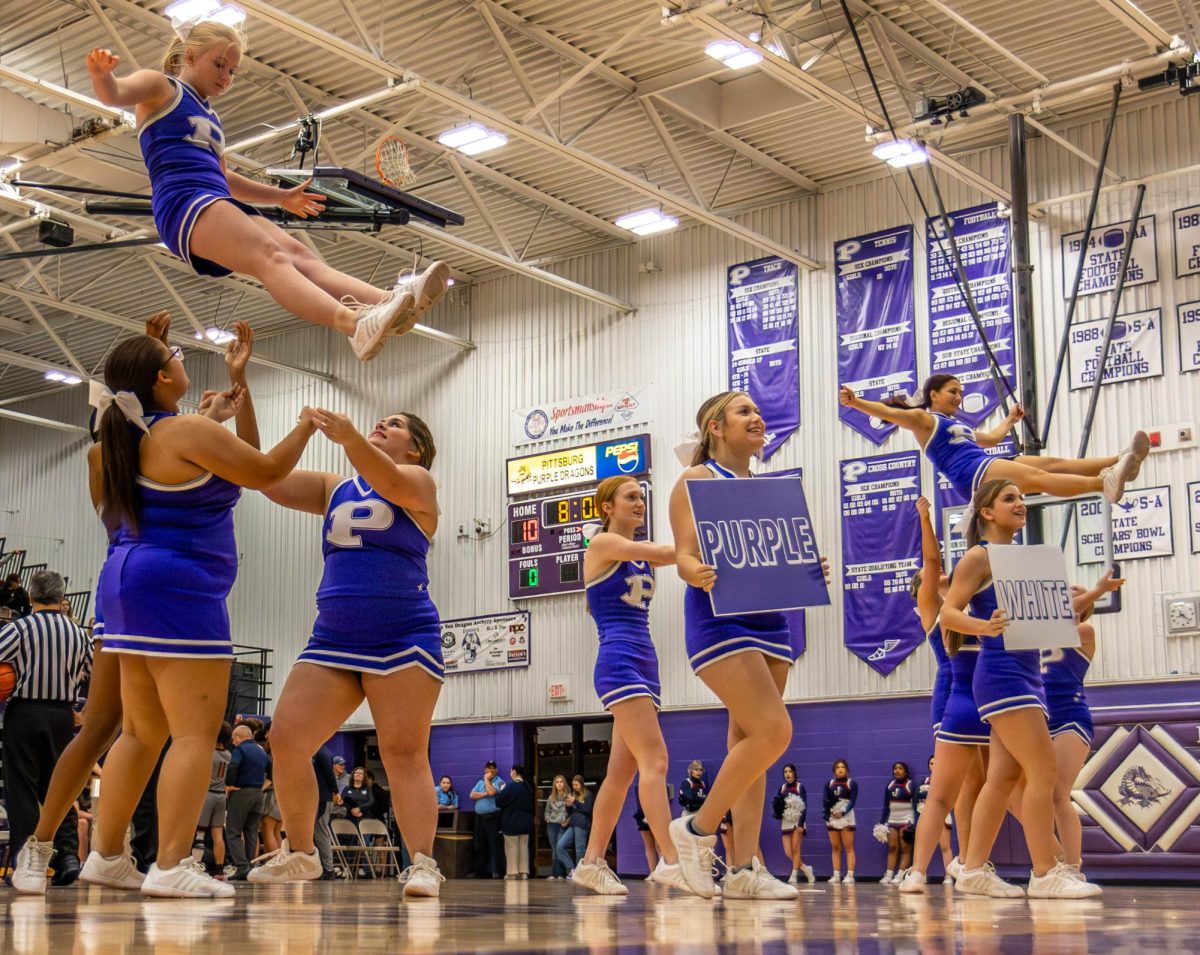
{"points": [[900, 153], [733, 54], [472, 139], [62, 377], [647, 222]]}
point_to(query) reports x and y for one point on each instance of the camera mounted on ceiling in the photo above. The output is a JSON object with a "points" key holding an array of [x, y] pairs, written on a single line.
{"points": [[943, 109]]}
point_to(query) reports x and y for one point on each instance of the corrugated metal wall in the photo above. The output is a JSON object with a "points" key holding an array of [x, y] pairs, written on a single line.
{"points": [[535, 344]]}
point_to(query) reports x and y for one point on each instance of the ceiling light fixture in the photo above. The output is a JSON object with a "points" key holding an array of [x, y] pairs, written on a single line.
{"points": [[472, 139], [900, 153], [62, 377], [218, 336], [733, 54], [647, 222], [184, 10]]}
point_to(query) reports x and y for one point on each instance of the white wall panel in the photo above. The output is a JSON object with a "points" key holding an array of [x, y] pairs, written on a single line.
{"points": [[535, 343]]}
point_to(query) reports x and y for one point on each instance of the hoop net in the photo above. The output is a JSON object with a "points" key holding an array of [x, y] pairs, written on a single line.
{"points": [[391, 163]]}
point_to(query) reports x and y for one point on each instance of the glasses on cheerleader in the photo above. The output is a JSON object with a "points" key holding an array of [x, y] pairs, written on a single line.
{"points": [[173, 351]]}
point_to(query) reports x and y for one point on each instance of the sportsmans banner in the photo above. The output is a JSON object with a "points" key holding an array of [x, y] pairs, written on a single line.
{"points": [[763, 298], [881, 545], [982, 236], [877, 347]]}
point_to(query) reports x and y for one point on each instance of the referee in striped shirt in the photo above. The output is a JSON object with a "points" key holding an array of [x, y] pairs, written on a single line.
{"points": [[52, 656]]}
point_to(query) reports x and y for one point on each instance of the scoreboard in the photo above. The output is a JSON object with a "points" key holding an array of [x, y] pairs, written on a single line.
{"points": [[546, 542]]}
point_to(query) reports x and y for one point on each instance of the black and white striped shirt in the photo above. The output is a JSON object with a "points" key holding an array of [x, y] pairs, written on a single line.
{"points": [[52, 656]]}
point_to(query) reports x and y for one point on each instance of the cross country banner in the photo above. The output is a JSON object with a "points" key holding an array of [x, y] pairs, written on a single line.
{"points": [[881, 546], [982, 237], [760, 539], [763, 301], [877, 347]]}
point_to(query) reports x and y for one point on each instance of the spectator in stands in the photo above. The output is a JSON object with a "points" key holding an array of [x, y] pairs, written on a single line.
{"points": [[14, 597], [272, 819], [487, 823], [555, 816], [341, 779], [516, 822], [579, 824], [212, 815], [357, 796], [447, 798], [383, 799], [244, 788], [52, 659], [327, 794]]}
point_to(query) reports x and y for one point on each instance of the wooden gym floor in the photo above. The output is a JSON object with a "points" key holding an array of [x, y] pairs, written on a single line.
{"points": [[540, 916]]}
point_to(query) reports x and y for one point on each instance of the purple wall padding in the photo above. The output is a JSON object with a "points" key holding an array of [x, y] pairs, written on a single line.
{"points": [[871, 734]]}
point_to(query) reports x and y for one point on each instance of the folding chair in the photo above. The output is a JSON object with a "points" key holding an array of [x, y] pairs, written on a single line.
{"points": [[382, 851], [348, 852]]}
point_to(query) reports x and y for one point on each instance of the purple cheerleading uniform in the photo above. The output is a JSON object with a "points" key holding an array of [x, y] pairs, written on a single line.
{"points": [[182, 145], [374, 612], [626, 663], [1063, 673], [162, 590], [942, 680], [953, 451]]}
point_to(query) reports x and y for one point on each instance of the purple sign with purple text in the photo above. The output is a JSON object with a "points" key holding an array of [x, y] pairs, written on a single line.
{"points": [[982, 236], [877, 347], [881, 546], [761, 541], [763, 298]]}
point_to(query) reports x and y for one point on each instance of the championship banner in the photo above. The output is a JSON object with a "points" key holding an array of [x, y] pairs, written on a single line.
{"points": [[982, 237], [576, 417], [881, 547], [1186, 232], [760, 539], [1102, 258], [1141, 523], [1193, 499], [1188, 315], [1134, 352], [496, 641], [1032, 589], [946, 495], [763, 298], [877, 347]]}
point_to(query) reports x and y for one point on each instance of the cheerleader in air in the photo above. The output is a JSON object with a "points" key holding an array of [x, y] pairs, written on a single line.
{"points": [[618, 574], [101, 717], [377, 637], [841, 793], [899, 816], [743, 659], [169, 483], [790, 807], [960, 736], [201, 208], [1011, 698], [956, 450]]}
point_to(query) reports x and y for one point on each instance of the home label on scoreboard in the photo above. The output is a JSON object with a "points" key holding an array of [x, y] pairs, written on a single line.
{"points": [[546, 542]]}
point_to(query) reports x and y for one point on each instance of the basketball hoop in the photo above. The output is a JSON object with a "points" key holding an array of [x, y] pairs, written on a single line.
{"points": [[391, 162]]}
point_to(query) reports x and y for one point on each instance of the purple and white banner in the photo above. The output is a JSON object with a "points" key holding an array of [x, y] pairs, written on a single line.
{"points": [[881, 546], [763, 298], [946, 495], [877, 347], [982, 237]]}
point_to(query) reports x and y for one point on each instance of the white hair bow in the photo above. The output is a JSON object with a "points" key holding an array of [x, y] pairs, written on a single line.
{"points": [[183, 27], [591, 530], [102, 398], [686, 449]]}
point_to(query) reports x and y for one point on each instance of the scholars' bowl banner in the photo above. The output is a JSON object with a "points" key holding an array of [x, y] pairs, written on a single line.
{"points": [[877, 348], [758, 535]]}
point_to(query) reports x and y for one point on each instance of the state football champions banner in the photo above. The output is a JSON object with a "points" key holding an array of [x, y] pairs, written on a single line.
{"points": [[982, 237], [877, 347], [763, 299], [1102, 257], [881, 546], [496, 641], [760, 539]]}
